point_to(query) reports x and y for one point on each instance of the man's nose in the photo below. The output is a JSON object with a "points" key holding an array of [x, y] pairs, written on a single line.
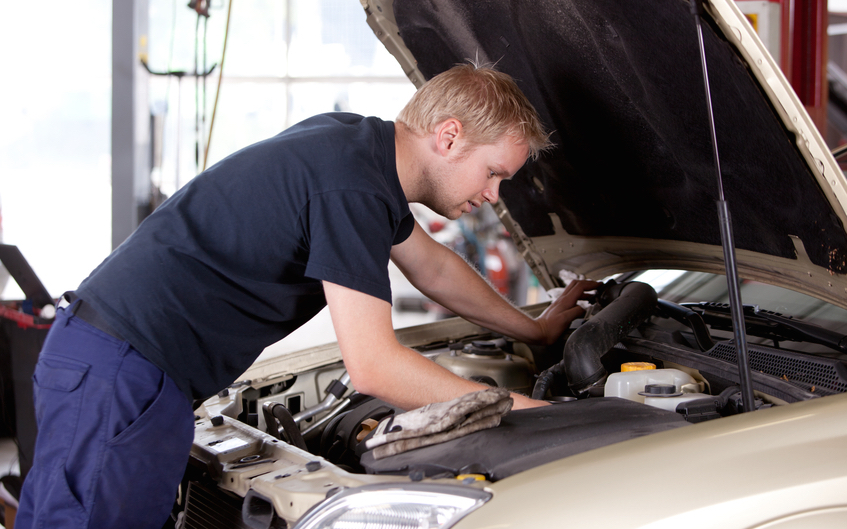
{"points": [[492, 192]]}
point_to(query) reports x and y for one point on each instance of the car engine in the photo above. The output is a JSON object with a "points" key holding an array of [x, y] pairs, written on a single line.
{"points": [[267, 450]]}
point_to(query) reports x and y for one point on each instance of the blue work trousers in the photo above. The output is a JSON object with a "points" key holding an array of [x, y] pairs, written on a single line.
{"points": [[114, 434]]}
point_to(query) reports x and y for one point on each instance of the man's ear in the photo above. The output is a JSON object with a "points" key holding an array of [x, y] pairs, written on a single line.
{"points": [[446, 135]]}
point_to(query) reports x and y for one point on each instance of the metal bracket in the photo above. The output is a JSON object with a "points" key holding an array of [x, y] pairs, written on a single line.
{"points": [[380, 17], [526, 247]]}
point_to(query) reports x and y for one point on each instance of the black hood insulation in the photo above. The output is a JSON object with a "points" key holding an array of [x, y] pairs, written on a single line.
{"points": [[619, 82]]}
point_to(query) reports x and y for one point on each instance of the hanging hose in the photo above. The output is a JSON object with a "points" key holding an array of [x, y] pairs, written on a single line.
{"points": [[278, 420], [545, 380], [218, 91]]}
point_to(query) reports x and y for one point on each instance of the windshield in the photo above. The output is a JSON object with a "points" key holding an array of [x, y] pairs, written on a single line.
{"points": [[681, 286]]}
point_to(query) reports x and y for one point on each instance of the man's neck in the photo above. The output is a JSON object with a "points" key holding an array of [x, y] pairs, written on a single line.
{"points": [[407, 148]]}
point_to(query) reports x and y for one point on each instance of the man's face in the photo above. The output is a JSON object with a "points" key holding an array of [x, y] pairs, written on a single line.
{"points": [[471, 176]]}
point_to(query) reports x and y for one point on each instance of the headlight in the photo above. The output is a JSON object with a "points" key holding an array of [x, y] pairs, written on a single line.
{"points": [[406, 506]]}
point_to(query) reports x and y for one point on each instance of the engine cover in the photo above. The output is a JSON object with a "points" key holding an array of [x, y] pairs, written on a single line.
{"points": [[529, 438]]}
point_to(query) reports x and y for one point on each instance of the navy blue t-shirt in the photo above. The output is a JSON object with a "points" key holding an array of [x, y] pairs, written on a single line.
{"points": [[233, 261]]}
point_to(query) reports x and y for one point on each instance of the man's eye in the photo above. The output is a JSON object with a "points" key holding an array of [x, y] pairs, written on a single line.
{"points": [[491, 174]]}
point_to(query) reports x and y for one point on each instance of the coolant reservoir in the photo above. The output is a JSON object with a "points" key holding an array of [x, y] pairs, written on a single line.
{"points": [[484, 361], [670, 403], [628, 385]]}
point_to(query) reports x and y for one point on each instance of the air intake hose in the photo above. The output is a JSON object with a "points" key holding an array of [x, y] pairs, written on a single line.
{"points": [[626, 306]]}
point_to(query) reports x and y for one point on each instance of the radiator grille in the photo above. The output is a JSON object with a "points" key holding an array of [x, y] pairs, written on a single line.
{"points": [[823, 376], [210, 508]]}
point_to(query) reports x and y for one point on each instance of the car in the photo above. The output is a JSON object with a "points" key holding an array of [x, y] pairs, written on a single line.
{"points": [[657, 419]]}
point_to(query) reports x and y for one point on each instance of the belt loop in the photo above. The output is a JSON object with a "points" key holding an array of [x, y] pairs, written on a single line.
{"points": [[68, 301], [65, 303]]}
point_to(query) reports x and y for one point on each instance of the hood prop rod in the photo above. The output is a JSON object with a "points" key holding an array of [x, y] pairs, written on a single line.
{"points": [[739, 328]]}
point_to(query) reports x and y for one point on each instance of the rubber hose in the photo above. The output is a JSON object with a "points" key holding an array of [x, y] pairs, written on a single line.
{"points": [[539, 390], [625, 307]]}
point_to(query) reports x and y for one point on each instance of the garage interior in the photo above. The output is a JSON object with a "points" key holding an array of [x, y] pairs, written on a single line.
{"points": [[121, 103]]}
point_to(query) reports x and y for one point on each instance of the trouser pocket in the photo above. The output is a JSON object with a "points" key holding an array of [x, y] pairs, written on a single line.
{"points": [[58, 385]]}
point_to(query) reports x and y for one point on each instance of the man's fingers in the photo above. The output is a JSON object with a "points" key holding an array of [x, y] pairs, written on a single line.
{"points": [[576, 290], [563, 310], [573, 313], [555, 323], [582, 285], [560, 319]]}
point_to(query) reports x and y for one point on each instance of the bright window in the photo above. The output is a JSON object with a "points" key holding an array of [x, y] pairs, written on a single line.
{"points": [[286, 60]]}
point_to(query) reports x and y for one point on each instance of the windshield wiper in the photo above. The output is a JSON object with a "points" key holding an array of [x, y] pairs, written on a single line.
{"points": [[769, 325], [692, 319]]}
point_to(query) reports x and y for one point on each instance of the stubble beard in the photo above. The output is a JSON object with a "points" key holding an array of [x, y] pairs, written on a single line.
{"points": [[435, 195]]}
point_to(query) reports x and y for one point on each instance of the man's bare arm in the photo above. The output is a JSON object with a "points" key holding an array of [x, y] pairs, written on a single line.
{"points": [[379, 366], [447, 279]]}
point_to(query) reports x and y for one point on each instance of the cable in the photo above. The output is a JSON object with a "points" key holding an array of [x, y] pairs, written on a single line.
{"points": [[197, 94], [205, 69], [218, 91], [167, 99]]}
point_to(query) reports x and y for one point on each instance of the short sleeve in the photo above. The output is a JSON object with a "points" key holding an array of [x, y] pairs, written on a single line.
{"points": [[407, 225], [350, 234]]}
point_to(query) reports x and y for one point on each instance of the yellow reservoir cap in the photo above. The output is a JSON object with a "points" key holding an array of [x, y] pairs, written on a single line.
{"points": [[475, 477], [637, 366]]}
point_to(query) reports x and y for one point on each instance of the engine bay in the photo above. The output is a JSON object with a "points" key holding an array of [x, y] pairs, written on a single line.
{"points": [[280, 445]]}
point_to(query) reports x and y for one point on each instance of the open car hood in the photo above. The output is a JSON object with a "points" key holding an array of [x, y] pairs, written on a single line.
{"points": [[631, 183]]}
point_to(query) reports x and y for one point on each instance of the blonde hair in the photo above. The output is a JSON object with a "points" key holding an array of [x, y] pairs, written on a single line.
{"points": [[488, 103]]}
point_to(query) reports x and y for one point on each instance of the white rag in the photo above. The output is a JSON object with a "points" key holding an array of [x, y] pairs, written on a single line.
{"points": [[439, 422]]}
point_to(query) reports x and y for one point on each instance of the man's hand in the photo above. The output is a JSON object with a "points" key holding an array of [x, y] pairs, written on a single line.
{"points": [[522, 402], [558, 316]]}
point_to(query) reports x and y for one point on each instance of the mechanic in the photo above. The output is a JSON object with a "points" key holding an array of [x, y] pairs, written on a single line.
{"points": [[247, 252]]}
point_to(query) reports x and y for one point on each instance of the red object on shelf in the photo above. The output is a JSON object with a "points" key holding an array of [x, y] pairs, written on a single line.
{"points": [[24, 321]]}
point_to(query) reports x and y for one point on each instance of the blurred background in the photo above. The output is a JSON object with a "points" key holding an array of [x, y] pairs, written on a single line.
{"points": [[284, 60], [65, 94]]}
